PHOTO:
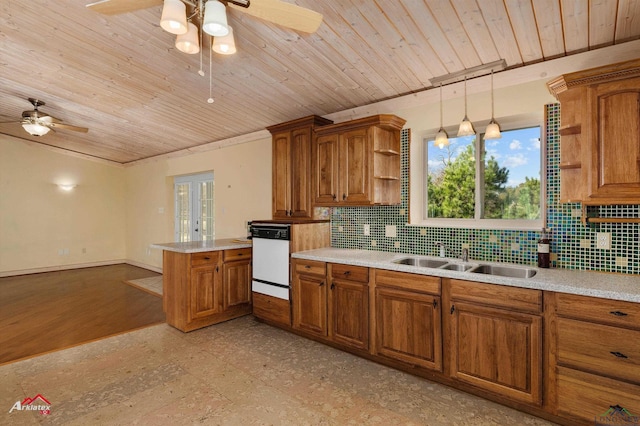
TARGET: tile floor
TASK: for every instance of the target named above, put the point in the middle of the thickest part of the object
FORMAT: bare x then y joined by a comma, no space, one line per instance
241,372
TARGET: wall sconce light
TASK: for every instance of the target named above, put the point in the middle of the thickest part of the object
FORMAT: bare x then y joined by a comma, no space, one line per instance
67,186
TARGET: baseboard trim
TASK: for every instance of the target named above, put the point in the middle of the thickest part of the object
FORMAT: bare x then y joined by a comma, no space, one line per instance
78,266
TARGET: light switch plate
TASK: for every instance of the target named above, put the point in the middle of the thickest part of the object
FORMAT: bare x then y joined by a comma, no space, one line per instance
366,229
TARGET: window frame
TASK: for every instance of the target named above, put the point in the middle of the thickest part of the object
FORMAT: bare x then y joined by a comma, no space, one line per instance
418,209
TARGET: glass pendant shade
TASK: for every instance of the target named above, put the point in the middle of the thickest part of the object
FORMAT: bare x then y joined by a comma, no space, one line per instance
174,17
442,139
225,45
215,19
466,127
492,131
35,129
188,42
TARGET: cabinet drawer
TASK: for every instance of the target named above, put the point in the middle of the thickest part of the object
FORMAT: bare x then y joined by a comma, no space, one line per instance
236,254
204,258
613,312
514,298
599,348
271,309
310,267
590,397
415,282
350,272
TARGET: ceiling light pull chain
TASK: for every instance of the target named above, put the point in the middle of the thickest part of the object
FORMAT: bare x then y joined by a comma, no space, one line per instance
210,100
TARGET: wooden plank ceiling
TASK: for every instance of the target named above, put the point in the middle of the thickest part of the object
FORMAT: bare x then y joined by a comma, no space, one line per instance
122,77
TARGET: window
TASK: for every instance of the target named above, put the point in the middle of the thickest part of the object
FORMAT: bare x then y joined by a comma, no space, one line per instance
480,183
194,208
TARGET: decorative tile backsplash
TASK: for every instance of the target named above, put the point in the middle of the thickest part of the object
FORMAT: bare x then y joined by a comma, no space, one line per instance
573,243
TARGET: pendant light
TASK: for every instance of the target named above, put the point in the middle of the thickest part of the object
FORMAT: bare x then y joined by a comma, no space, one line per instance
466,127
174,17
493,129
442,139
225,45
188,42
215,19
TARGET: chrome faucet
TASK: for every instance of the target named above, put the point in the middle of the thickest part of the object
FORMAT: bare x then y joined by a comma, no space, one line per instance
443,249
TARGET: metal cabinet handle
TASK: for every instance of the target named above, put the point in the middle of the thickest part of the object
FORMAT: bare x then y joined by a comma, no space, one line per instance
435,303
347,273
334,197
307,266
333,286
217,268
207,258
619,355
344,197
453,308
321,284
618,313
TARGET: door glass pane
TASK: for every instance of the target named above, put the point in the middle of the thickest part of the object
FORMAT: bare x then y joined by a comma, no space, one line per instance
183,212
206,210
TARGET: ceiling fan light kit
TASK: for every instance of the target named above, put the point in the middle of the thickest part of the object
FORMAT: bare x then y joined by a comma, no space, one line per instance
35,129
215,19
174,17
225,45
188,42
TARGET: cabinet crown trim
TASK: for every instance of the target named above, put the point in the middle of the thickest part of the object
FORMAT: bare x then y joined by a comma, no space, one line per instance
618,71
385,121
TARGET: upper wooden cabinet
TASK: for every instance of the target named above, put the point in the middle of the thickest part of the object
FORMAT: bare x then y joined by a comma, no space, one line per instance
292,143
358,162
600,134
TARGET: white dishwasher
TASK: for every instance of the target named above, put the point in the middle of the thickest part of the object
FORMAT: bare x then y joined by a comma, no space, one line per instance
270,259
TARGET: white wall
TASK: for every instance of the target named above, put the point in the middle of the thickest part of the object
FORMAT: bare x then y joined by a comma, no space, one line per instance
38,219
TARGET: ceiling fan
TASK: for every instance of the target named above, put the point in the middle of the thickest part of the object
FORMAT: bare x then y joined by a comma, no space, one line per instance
38,123
277,11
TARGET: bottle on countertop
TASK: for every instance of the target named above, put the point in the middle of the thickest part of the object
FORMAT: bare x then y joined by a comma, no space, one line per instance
544,249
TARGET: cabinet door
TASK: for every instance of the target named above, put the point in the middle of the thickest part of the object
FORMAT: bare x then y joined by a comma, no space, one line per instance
281,163
408,327
497,350
205,292
615,171
349,313
309,294
354,166
301,173
325,169
237,283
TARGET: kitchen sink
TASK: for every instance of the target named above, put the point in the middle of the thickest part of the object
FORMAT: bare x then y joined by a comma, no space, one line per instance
460,267
504,271
417,261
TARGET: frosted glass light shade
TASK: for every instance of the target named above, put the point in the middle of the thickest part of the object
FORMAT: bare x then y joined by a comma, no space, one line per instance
174,17
466,128
188,42
225,45
215,19
35,129
442,139
492,131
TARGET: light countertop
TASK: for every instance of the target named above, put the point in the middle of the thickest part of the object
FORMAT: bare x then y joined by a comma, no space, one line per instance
597,284
200,246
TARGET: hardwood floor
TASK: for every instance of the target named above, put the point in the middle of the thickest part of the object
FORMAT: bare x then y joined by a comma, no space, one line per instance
45,312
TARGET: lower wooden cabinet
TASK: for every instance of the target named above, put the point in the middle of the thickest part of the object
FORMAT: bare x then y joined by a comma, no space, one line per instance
272,309
408,318
595,357
495,339
205,288
332,305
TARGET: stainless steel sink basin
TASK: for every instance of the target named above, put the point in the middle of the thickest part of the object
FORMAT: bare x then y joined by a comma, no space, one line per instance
504,271
417,261
460,267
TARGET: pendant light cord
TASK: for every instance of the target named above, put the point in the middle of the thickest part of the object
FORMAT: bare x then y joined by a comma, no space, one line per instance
492,94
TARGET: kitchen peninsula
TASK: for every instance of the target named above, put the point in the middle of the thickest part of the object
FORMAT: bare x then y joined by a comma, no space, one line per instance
205,282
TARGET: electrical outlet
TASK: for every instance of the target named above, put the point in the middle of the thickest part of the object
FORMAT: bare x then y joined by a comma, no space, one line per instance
603,240
367,229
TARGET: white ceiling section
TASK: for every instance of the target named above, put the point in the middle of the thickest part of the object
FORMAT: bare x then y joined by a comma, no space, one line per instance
122,77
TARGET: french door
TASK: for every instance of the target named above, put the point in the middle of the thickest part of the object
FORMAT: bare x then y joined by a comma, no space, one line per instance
194,218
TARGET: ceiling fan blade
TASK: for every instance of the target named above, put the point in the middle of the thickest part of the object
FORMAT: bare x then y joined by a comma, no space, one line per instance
54,125
116,7
282,13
